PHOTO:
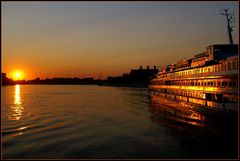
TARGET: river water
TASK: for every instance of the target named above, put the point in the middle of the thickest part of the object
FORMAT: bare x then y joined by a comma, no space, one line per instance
81,121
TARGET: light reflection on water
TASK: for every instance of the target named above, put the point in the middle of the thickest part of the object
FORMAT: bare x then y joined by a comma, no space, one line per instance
73,122
17,100
17,107
167,109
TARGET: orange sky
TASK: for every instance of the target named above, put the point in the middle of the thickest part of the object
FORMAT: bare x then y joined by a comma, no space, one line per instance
83,39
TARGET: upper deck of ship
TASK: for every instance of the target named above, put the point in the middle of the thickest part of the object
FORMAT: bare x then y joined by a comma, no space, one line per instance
218,59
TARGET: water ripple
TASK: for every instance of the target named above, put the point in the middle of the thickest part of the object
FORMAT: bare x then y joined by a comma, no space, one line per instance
75,122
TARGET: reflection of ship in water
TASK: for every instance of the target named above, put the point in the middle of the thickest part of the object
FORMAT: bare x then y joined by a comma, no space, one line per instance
202,135
174,114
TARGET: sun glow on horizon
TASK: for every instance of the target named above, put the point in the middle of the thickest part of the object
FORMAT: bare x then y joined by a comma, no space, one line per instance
17,75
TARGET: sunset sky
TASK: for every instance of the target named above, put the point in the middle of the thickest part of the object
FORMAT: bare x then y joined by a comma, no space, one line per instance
89,39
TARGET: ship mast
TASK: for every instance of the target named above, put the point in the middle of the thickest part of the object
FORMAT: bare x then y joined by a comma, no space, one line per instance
230,19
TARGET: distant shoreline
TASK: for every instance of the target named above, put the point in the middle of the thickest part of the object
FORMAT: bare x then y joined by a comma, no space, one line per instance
137,85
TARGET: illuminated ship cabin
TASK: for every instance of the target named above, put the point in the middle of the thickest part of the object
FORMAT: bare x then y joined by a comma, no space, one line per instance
208,80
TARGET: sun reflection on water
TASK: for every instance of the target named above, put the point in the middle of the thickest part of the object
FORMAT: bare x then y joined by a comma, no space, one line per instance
17,108
17,100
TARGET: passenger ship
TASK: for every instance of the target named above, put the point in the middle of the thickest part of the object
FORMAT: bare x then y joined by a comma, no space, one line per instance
208,81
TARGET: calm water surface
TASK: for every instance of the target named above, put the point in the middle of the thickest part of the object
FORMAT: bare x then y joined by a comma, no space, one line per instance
71,121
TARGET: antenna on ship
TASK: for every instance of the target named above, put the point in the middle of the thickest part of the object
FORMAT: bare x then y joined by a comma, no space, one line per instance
230,19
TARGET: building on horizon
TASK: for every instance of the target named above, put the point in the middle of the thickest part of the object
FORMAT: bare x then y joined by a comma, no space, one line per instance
5,80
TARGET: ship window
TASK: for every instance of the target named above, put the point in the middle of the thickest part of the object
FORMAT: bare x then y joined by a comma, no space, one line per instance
226,99
219,98
214,98
230,84
234,84
235,99
223,67
209,96
229,65
217,68
235,66
205,83
226,83
219,83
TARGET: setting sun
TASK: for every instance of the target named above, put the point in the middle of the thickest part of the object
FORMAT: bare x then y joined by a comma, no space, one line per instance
17,75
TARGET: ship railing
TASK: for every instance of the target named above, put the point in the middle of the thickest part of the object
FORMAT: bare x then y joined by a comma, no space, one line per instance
228,66
227,90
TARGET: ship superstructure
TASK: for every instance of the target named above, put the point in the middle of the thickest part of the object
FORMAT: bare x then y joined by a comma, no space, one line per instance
208,80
